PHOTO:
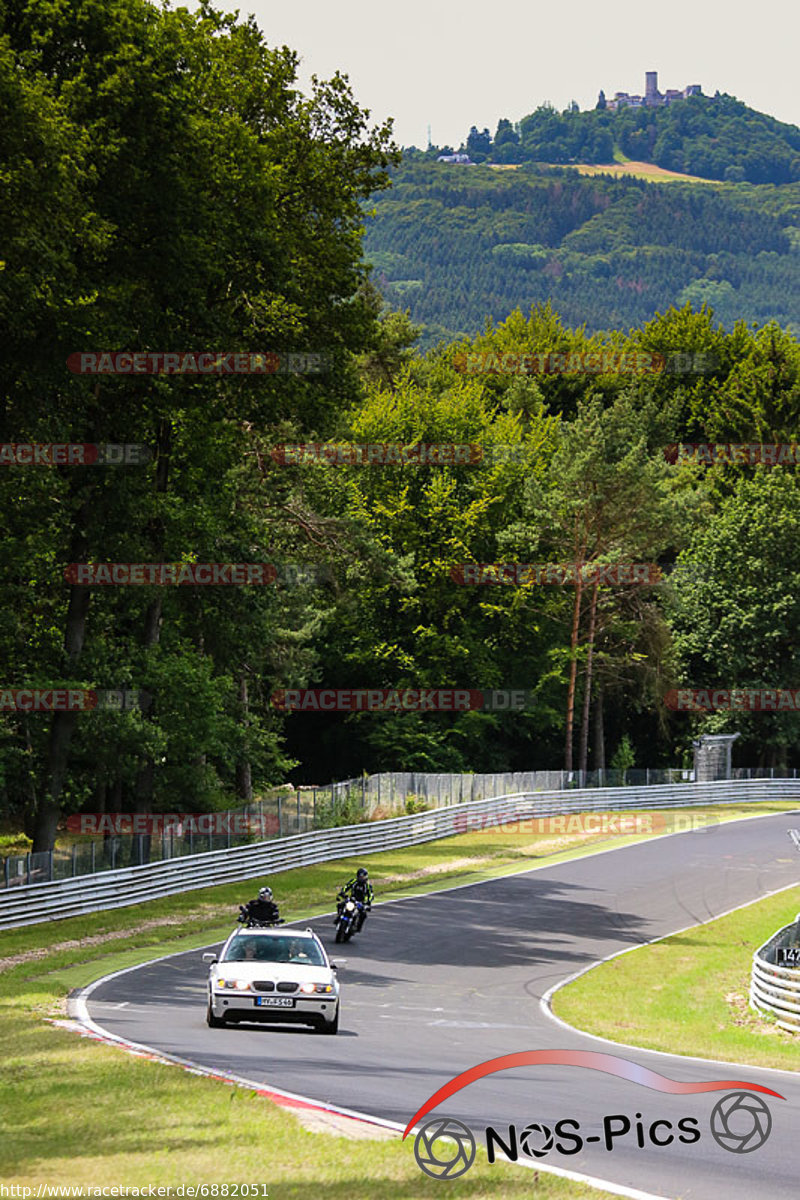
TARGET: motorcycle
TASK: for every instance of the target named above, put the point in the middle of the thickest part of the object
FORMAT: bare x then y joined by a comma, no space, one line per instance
350,919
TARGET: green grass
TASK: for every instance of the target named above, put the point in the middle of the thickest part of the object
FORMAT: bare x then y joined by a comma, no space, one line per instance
79,1112
688,994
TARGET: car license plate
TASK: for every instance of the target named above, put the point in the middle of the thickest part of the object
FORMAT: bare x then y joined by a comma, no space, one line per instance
275,1001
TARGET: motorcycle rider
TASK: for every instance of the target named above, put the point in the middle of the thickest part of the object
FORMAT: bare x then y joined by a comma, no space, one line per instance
263,909
360,889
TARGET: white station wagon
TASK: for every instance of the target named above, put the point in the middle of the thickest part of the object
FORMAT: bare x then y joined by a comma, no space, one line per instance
273,975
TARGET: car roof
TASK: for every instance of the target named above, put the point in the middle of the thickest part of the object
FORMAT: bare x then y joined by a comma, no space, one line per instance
282,932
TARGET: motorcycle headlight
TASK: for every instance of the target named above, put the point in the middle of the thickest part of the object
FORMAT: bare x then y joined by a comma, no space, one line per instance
349,906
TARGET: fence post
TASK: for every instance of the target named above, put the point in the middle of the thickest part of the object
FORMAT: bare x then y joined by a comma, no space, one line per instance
280,815
228,829
298,808
5,871
314,807
29,866
74,857
94,868
363,791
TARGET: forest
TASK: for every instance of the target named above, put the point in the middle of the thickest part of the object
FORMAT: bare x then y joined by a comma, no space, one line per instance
456,245
247,234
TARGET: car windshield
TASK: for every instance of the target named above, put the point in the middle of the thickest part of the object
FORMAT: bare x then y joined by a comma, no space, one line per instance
303,951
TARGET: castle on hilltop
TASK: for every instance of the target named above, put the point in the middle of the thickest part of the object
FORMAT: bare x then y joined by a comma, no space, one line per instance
652,97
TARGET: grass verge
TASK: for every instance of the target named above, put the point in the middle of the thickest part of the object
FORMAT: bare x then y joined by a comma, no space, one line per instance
80,1113
688,994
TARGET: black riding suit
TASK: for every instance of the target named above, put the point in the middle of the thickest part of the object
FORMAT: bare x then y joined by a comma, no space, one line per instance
261,910
357,889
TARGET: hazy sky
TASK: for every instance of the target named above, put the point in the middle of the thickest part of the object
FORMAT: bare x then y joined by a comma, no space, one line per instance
455,65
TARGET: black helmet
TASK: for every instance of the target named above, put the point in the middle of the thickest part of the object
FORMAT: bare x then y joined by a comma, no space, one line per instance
362,873
265,893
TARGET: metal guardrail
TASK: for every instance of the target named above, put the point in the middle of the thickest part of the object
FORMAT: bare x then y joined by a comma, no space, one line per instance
284,811
36,903
775,988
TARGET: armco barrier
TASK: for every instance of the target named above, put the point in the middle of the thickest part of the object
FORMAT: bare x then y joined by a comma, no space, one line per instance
38,902
776,988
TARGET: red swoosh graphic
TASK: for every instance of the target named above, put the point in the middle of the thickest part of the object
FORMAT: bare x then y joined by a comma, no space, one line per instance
591,1059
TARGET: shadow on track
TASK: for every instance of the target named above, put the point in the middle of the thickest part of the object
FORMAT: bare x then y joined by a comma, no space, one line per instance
505,922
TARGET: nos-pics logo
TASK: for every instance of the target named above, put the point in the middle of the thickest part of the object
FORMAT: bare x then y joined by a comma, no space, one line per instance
444,1148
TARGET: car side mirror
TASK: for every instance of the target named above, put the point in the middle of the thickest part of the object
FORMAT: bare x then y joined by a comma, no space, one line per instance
210,958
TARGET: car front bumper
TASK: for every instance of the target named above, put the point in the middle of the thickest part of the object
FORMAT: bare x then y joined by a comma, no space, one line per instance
303,1009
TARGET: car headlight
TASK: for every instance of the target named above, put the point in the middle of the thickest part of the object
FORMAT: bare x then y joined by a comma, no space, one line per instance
309,988
243,985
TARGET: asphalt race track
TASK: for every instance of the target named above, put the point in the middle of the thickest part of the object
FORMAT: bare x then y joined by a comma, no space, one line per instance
437,984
